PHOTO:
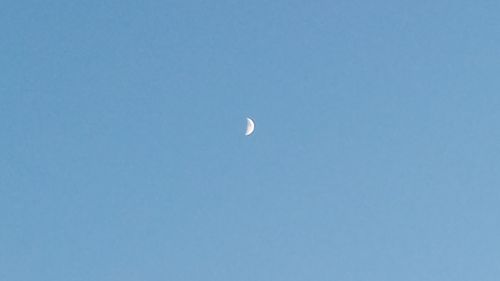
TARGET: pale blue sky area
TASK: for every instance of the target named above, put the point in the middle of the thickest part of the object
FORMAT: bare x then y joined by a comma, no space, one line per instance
376,154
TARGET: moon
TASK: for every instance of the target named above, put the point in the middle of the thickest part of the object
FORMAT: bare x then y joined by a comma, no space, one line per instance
250,127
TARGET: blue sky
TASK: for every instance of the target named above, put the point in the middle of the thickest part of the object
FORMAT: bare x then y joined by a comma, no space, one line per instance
376,154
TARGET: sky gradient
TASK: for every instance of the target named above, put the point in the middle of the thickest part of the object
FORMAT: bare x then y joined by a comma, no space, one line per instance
376,154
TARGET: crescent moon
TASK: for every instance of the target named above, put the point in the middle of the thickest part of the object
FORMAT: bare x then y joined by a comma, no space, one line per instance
250,127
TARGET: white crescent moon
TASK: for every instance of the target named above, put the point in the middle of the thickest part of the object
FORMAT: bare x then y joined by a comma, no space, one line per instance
250,127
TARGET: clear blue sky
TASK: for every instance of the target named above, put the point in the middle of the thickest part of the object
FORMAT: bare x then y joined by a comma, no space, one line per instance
376,154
